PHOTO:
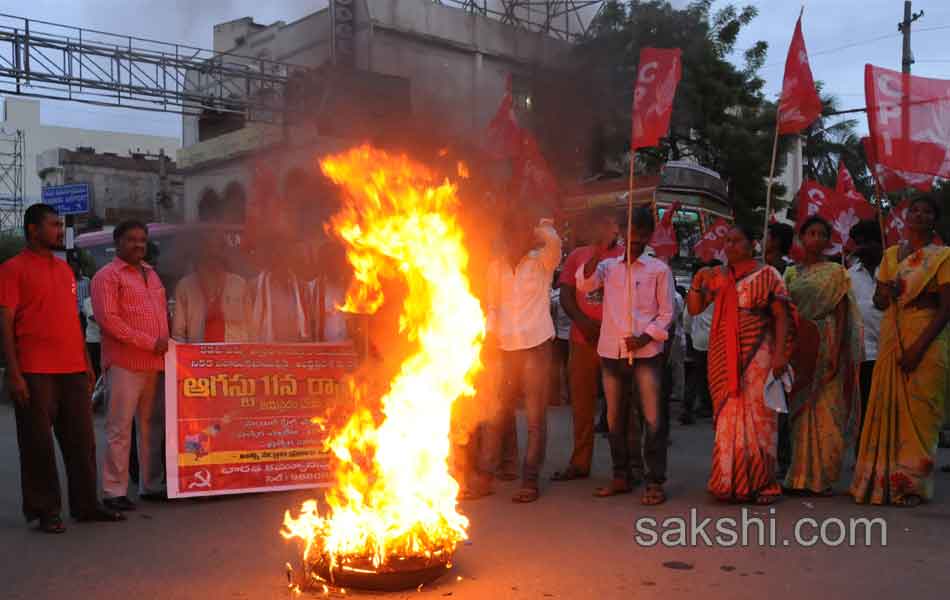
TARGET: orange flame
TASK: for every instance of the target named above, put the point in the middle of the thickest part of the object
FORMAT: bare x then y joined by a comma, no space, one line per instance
397,220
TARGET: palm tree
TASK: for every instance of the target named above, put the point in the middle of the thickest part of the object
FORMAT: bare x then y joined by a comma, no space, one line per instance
830,139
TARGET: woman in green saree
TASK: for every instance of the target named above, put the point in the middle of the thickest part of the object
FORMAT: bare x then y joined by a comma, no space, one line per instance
909,390
824,414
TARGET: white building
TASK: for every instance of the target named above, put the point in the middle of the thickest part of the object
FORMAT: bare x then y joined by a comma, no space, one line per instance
24,114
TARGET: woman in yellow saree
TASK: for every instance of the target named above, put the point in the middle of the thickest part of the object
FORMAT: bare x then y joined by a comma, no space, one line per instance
901,429
824,414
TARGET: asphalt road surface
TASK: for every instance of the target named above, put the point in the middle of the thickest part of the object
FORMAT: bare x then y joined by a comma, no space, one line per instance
567,545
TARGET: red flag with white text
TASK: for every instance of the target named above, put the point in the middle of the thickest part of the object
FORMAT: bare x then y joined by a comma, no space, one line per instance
909,121
664,242
840,210
890,180
658,75
712,245
800,104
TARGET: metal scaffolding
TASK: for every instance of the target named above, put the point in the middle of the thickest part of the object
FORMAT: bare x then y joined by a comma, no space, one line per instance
47,60
563,19
11,180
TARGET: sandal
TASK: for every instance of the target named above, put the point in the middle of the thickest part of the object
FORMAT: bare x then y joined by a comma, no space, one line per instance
525,495
766,499
653,495
908,501
52,524
569,474
617,486
506,476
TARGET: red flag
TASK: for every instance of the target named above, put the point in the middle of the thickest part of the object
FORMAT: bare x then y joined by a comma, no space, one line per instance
800,104
657,77
712,244
503,136
842,211
890,180
536,180
664,242
909,120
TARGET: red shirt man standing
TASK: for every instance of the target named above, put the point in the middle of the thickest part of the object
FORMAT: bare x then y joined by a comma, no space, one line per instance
49,376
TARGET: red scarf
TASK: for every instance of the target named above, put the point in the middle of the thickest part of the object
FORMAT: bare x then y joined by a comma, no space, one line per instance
726,317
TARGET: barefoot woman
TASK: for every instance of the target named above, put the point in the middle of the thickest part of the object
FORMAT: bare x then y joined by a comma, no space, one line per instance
909,389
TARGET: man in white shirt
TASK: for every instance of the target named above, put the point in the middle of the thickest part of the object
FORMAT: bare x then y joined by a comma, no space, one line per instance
520,324
869,250
638,310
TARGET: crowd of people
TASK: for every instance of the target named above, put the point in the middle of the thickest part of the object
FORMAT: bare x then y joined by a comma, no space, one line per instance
63,333
800,365
797,364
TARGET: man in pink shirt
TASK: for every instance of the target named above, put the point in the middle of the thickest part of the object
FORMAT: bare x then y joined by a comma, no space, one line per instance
129,303
638,309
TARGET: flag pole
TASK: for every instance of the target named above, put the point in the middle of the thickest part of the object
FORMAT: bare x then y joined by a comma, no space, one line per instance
628,253
768,189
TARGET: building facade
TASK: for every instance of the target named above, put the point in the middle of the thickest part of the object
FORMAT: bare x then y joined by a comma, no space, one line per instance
136,186
24,115
410,68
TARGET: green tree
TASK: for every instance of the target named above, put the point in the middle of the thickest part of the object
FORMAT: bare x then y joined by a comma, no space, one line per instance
830,139
721,117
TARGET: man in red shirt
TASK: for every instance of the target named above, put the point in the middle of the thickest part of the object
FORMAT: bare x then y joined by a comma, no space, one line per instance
586,312
129,302
49,376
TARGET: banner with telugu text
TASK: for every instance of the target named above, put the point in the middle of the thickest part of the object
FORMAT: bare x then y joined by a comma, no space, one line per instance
243,418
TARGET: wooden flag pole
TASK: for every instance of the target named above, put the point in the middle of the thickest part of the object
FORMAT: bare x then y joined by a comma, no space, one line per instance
768,189
628,252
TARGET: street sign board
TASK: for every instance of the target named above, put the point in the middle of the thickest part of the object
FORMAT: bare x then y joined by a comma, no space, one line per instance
71,199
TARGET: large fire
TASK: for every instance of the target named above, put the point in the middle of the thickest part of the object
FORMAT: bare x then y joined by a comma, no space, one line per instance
394,496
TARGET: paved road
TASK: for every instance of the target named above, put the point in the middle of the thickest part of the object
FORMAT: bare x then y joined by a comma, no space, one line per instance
568,545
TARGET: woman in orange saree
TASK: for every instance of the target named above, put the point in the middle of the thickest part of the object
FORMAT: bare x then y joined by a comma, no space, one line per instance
909,389
748,340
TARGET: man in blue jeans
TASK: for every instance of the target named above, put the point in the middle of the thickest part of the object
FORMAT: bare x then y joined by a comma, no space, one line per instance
520,325
638,309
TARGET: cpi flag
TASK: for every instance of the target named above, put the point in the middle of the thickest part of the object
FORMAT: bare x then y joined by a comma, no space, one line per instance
841,210
537,181
712,245
800,104
890,180
909,120
657,77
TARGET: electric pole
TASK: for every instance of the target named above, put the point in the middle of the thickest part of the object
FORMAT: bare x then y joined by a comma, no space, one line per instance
907,57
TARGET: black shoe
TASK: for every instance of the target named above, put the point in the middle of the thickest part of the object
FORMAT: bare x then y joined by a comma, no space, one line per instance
52,524
101,514
687,420
154,497
121,504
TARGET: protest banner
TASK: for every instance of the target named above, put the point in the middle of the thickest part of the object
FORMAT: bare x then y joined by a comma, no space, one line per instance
243,418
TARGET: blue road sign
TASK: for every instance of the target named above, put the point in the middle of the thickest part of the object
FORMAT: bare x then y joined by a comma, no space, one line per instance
72,199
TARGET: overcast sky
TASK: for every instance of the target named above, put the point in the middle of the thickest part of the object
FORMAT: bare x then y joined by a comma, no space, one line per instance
841,36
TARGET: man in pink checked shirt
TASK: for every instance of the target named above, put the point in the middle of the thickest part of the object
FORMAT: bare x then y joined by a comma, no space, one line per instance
129,303
638,309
